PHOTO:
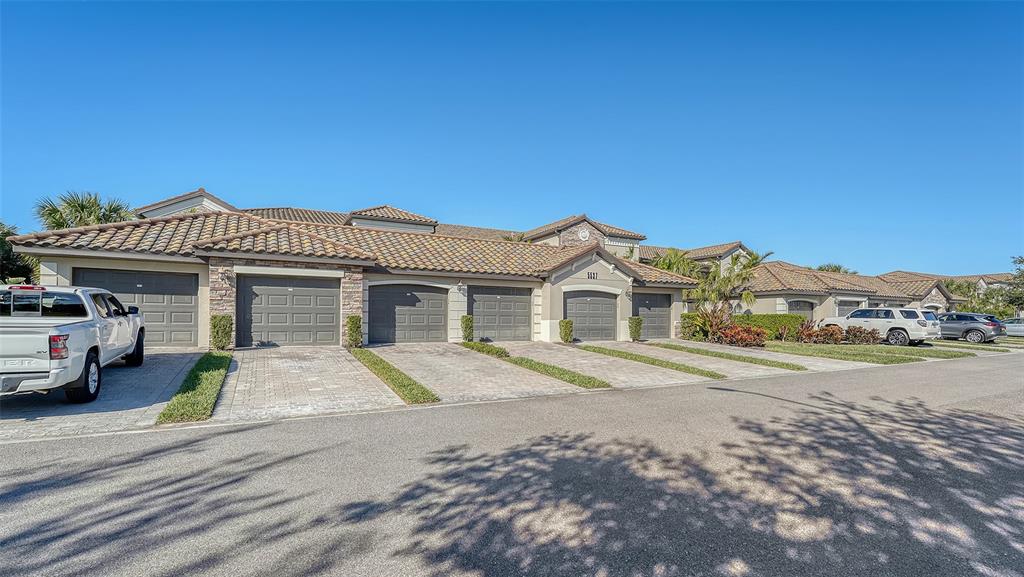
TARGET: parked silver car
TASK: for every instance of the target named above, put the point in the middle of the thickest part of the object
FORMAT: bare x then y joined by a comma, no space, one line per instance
972,327
1014,327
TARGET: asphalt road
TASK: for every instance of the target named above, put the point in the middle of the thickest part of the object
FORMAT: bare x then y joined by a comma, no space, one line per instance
907,470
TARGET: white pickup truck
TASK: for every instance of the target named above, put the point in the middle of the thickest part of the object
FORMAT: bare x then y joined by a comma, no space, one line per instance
61,337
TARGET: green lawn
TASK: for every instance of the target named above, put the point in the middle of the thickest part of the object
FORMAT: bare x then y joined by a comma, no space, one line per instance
839,352
731,356
968,346
402,384
922,352
198,393
571,377
653,361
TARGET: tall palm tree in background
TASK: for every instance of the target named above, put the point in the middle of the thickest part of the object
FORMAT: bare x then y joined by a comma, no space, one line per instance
834,267
676,261
73,209
718,288
755,258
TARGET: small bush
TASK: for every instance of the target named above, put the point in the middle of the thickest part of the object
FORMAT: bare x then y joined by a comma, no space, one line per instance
220,331
565,330
805,332
862,336
831,335
744,336
636,324
467,328
487,349
689,329
354,331
777,326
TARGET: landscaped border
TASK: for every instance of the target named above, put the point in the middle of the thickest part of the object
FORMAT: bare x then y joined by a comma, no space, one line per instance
730,356
971,346
198,393
840,353
562,374
406,387
653,361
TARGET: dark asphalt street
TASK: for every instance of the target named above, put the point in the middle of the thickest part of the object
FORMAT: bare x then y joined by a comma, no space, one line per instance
914,470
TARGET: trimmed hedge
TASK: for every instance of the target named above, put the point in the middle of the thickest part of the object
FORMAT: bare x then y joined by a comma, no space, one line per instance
467,328
772,323
354,331
636,325
487,349
565,330
220,331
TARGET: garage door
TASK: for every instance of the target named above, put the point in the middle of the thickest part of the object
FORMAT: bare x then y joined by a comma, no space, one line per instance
169,302
500,313
656,311
408,314
592,314
288,311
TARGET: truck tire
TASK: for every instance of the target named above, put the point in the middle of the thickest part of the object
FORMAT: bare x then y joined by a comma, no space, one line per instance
88,385
138,354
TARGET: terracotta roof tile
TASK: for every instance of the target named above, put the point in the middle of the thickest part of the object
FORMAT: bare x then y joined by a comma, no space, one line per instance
385,212
300,215
654,275
906,276
650,252
282,239
778,276
473,231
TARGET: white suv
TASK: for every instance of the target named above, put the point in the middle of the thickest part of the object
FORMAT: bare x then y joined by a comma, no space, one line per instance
897,325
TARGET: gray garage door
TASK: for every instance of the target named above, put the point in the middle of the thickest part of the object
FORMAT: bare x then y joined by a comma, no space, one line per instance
500,313
656,310
169,302
592,314
288,311
402,313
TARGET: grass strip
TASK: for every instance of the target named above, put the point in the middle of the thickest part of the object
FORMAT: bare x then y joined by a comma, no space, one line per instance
653,361
198,393
731,356
571,377
969,346
840,352
921,352
402,384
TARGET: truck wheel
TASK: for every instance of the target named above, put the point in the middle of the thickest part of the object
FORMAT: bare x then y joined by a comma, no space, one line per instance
138,354
90,381
975,336
897,338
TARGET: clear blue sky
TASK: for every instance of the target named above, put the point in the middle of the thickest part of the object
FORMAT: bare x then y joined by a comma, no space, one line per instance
789,126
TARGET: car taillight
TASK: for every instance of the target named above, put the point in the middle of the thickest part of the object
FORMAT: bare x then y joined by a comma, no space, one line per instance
922,323
58,347
992,324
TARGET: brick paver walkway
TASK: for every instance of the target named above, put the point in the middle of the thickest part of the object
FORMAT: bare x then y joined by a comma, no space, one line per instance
277,382
621,373
130,398
458,374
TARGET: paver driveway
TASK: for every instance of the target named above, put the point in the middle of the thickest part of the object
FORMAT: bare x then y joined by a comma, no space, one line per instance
458,374
620,373
130,398
731,369
278,382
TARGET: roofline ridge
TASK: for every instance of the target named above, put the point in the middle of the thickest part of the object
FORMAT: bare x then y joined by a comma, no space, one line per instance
119,224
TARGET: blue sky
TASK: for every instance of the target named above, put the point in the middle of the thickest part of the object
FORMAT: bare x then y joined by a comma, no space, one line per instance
853,133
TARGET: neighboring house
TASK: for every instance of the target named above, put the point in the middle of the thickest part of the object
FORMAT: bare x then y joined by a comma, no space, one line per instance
291,276
982,281
781,287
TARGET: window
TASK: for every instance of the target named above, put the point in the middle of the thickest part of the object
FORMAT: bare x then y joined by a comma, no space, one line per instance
862,314
63,305
884,314
46,304
909,314
5,304
116,306
846,307
929,315
101,306
805,308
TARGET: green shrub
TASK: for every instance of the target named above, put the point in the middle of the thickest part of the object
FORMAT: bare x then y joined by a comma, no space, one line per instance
487,349
467,328
198,394
220,331
636,324
565,330
777,326
406,387
353,331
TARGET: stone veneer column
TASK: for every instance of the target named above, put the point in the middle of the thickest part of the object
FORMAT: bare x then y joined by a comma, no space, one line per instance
223,290
351,301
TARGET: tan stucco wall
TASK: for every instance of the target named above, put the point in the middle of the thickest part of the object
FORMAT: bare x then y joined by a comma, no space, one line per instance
59,270
575,277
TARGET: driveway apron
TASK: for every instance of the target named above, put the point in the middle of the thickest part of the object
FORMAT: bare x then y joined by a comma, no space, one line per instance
621,373
278,382
458,374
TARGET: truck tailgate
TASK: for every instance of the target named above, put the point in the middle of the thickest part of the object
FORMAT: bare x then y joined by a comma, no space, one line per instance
24,347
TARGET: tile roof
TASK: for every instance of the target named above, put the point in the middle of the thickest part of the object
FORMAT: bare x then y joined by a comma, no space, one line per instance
653,275
473,231
300,214
282,240
650,252
193,194
779,276
385,212
564,223
906,276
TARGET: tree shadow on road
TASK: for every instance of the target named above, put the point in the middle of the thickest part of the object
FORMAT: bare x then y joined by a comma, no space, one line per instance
891,488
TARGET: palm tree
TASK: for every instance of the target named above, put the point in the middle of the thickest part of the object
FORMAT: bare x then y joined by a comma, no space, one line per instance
676,261
73,209
834,267
515,237
717,290
753,258
14,265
